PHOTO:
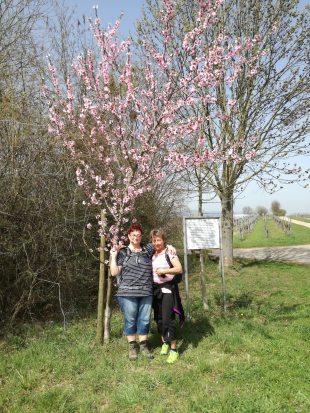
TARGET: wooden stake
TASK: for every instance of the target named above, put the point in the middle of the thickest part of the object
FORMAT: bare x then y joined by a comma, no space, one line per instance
101,292
108,309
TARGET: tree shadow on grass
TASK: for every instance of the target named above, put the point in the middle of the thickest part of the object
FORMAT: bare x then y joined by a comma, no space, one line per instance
288,313
243,300
254,262
189,335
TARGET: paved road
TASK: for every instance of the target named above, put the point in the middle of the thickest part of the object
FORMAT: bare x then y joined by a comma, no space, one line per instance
299,254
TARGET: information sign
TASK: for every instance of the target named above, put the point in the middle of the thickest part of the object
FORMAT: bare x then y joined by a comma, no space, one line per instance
202,233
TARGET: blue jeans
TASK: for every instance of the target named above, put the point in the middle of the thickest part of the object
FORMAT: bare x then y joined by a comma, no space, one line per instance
137,314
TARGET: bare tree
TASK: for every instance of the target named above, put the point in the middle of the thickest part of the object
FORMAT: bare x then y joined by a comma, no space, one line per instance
261,210
273,103
247,210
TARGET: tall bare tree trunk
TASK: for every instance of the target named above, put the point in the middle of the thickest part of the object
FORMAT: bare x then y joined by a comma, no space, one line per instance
227,226
108,309
202,277
102,287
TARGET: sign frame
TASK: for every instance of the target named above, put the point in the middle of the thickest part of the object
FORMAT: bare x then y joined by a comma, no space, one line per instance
185,218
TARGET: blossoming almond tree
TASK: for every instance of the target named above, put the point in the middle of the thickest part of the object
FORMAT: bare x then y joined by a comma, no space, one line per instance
128,128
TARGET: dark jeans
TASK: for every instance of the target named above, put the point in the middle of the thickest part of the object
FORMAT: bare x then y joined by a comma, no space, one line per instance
164,315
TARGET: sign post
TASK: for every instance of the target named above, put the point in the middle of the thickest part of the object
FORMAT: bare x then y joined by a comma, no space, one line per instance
222,267
202,233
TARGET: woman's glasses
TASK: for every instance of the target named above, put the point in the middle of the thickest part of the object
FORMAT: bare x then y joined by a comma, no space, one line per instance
135,235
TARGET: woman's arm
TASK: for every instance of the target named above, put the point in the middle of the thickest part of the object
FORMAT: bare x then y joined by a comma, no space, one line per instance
177,268
115,269
151,249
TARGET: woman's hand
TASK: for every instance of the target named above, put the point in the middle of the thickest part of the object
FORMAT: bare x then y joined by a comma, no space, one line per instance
115,269
172,250
160,271
114,251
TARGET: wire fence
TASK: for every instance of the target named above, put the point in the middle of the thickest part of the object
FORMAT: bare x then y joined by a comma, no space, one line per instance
244,225
283,223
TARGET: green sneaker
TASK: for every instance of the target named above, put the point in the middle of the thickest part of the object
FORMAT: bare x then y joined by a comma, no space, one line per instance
173,356
164,349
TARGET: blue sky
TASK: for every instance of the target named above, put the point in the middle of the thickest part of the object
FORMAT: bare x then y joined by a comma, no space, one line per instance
109,11
293,198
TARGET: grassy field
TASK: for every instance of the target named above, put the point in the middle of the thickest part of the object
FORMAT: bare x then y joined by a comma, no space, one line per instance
254,358
276,237
302,219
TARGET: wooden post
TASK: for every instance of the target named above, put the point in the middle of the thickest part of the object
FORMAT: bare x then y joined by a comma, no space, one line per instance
222,267
194,255
203,283
206,256
102,286
108,309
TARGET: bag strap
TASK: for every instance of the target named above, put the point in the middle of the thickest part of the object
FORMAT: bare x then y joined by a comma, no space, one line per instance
168,258
177,277
129,253
145,250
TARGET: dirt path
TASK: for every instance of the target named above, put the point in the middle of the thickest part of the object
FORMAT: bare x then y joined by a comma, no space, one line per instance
304,224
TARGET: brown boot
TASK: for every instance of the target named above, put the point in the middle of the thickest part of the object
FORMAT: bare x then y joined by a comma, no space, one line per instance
133,355
144,350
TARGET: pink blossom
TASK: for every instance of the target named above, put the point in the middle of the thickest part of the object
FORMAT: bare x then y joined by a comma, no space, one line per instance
128,165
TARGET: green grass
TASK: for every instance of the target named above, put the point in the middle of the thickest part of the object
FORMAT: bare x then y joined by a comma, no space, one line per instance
302,219
276,237
254,358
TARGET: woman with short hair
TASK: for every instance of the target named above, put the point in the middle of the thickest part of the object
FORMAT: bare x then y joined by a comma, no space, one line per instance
135,292
166,301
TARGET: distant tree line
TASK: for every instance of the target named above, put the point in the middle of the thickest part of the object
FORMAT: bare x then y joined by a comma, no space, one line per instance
262,210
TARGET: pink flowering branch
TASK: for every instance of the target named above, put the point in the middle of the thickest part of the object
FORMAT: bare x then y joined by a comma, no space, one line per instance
127,127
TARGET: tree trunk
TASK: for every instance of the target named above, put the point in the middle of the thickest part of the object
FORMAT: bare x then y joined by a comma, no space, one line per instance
102,287
202,277
108,309
227,227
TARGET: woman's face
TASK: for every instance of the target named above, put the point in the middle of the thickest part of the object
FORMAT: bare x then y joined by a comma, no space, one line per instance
135,237
159,243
